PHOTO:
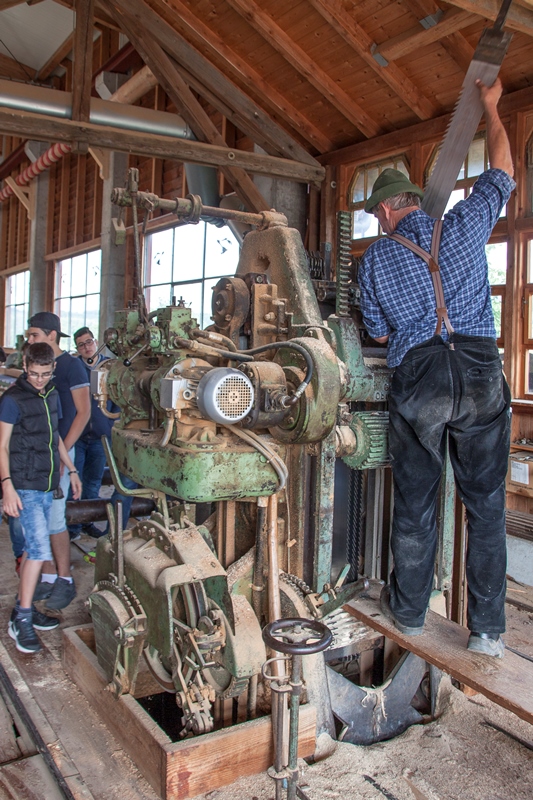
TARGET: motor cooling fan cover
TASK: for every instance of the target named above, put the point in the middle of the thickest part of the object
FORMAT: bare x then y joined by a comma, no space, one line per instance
225,395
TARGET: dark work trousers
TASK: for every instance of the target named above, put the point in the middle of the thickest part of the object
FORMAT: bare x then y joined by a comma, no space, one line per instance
439,392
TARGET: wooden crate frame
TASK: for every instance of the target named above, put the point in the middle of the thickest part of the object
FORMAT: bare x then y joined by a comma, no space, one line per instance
176,770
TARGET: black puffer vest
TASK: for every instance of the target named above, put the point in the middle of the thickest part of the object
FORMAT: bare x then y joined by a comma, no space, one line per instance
33,449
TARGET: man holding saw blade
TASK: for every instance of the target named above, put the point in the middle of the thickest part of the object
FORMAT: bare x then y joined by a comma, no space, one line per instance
425,291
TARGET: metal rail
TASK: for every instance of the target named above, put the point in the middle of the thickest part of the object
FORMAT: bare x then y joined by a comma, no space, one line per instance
39,742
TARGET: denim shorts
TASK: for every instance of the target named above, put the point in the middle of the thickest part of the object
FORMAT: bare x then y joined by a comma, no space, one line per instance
58,522
35,520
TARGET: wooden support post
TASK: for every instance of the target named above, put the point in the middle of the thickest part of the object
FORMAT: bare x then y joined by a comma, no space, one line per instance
38,237
83,59
113,256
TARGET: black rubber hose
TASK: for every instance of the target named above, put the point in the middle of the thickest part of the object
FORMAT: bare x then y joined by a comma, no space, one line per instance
289,346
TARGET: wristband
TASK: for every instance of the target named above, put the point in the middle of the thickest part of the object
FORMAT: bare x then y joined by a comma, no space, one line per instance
74,472
6,479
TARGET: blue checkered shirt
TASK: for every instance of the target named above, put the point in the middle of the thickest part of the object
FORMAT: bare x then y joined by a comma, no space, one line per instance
397,296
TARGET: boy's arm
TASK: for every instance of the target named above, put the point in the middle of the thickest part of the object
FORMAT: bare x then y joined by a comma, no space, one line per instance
12,502
82,400
75,481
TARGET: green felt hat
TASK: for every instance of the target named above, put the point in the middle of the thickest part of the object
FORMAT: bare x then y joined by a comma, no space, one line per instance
389,183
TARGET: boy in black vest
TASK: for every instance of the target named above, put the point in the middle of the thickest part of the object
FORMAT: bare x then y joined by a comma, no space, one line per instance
30,454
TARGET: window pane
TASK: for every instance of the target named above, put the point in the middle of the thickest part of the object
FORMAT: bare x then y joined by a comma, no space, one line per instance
63,278
476,158
497,311
364,225
158,296
94,269
529,278
159,257
221,251
16,314
456,195
92,313
189,252
79,274
497,261
358,194
529,371
191,293
77,315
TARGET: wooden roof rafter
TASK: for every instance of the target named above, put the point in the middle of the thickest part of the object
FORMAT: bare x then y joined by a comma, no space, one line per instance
223,95
260,21
194,29
179,92
344,24
453,20
454,43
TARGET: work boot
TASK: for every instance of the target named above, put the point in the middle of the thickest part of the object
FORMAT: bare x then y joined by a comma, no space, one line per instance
62,594
21,629
487,644
407,630
42,621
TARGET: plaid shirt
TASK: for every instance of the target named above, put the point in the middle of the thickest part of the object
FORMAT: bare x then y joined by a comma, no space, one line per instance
397,296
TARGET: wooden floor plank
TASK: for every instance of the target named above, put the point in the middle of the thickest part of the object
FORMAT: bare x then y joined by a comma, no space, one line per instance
8,744
507,682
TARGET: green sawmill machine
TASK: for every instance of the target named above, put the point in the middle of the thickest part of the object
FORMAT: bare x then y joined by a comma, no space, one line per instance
263,441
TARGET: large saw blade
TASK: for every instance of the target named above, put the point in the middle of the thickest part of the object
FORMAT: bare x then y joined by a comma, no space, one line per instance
485,66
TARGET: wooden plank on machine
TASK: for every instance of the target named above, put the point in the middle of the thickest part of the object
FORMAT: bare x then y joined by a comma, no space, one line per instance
508,682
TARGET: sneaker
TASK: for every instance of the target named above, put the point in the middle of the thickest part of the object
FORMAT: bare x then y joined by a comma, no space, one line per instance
407,630
42,591
22,631
62,594
92,530
42,621
486,644
74,535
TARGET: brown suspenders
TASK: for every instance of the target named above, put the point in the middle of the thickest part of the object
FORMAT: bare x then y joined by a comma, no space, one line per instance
431,260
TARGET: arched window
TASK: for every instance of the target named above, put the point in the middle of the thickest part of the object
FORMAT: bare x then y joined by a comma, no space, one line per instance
366,225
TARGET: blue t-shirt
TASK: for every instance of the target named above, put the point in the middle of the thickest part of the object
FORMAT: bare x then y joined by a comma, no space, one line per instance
10,413
69,374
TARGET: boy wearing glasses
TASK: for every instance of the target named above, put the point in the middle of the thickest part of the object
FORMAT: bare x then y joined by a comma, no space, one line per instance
90,457
30,454
70,380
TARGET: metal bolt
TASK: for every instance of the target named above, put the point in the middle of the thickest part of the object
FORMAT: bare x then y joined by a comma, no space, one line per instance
228,318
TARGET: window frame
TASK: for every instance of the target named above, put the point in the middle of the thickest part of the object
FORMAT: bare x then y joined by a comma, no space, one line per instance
7,305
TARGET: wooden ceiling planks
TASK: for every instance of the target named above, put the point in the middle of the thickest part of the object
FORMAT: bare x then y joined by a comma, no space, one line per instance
301,61
215,47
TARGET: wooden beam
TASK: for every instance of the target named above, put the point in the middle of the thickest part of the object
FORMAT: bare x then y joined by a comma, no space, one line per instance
25,195
263,23
253,121
518,18
51,129
189,107
453,20
352,33
83,60
458,49
233,65
455,43
56,58
9,68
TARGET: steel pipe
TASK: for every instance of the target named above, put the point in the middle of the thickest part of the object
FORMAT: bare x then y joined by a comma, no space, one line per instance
81,512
